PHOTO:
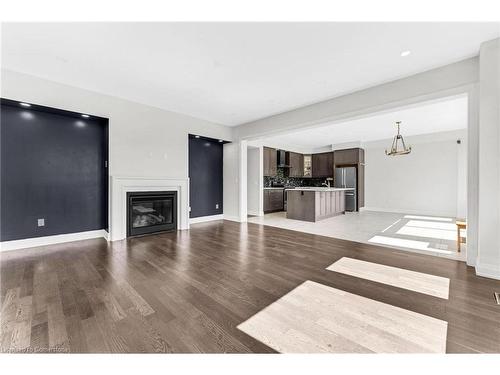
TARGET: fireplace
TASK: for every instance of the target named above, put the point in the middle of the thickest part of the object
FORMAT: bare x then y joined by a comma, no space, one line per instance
151,212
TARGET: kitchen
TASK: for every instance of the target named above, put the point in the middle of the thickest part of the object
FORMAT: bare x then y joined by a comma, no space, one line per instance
313,187
410,200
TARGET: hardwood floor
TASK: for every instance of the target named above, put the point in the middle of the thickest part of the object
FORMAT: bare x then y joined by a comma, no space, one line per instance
188,291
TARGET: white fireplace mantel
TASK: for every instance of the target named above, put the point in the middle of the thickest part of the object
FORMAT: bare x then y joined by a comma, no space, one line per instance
121,185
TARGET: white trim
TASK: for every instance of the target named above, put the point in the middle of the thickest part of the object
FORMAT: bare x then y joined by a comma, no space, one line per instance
487,270
51,240
412,212
203,219
119,187
232,218
243,175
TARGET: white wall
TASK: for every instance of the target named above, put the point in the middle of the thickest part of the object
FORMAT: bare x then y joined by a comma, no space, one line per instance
462,170
488,262
424,182
231,181
143,140
255,182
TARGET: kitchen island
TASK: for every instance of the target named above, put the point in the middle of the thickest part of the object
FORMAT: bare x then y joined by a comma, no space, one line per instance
315,203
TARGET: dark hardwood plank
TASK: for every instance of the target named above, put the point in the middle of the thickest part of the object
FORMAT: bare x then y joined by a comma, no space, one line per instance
188,291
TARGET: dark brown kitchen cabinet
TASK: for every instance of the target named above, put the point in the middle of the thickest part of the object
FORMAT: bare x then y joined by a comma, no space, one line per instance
273,200
322,164
296,165
270,162
349,156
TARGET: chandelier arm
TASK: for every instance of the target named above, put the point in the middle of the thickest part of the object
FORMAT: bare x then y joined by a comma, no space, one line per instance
403,143
394,145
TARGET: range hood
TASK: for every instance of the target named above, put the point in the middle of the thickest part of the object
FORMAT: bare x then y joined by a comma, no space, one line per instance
283,159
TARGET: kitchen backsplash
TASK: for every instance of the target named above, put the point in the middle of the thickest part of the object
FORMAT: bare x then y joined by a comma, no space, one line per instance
291,181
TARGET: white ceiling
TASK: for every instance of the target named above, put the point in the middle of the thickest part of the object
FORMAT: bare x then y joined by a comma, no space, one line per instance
426,118
232,73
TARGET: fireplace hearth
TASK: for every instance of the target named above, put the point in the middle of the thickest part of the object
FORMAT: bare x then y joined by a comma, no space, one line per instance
151,212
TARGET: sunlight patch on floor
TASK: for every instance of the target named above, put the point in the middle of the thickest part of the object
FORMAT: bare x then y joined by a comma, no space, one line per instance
426,229
315,318
436,286
411,244
427,233
432,218
390,226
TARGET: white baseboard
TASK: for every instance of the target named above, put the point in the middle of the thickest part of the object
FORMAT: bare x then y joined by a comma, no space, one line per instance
51,240
487,270
232,218
409,212
203,219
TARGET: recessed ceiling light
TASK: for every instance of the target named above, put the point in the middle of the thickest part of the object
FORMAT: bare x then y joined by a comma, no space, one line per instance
405,53
25,104
86,116
197,136
220,141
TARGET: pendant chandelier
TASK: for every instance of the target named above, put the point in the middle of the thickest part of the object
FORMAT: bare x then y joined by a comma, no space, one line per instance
398,146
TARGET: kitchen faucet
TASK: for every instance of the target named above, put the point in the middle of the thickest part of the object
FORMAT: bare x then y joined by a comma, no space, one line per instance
327,182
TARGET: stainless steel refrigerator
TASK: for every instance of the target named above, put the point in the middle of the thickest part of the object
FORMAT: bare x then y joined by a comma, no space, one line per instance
345,177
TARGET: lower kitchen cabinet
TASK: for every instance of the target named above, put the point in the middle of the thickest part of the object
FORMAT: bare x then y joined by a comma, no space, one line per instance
309,205
273,200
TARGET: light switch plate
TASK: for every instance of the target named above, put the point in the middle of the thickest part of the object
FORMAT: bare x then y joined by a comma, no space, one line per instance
217,206
41,222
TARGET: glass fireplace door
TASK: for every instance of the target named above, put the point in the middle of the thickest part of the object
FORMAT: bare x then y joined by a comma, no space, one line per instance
151,212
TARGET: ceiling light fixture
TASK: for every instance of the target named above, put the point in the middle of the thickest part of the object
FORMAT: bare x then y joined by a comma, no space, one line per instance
395,149
197,136
25,104
220,141
86,116
405,53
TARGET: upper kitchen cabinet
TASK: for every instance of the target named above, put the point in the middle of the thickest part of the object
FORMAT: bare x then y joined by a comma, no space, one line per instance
307,159
296,162
270,162
349,156
322,164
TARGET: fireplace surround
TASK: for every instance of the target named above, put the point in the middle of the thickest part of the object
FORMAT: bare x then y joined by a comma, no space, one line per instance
151,212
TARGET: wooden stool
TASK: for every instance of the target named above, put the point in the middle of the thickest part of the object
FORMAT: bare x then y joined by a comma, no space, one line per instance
461,224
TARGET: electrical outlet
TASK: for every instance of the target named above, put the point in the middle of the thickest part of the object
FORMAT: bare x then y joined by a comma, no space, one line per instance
217,206
41,222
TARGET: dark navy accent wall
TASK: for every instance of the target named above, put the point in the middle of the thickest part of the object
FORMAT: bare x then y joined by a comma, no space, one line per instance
52,167
205,177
